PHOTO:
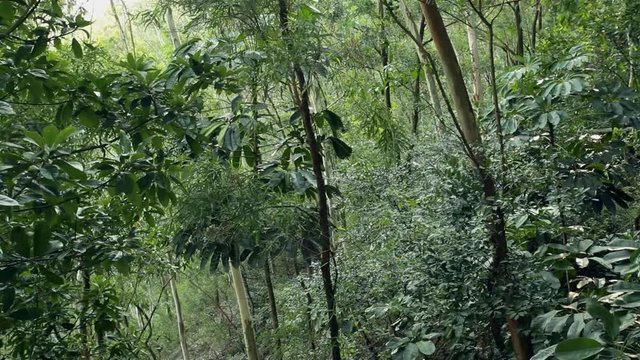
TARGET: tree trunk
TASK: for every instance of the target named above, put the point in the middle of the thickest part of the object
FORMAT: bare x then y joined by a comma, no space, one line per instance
452,71
245,314
471,136
130,26
181,332
173,31
472,38
312,341
384,57
84,326
519,32
415,117
417,34
536,26
272,303
323,209
123,33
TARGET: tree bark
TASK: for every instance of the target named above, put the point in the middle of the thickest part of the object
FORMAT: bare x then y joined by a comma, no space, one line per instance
173,31
317,162
245,314
519,32
130,26
123,33
272,303
384,57
471,137
452,71
179,319
472,38
536,26
84,326
415,117
417,35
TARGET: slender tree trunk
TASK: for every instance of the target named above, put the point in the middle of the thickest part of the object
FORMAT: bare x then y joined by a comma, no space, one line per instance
417,34
245,314
323,209
84,326
472,38
173,31
312,340
536,26
123,33
130,26
384,56
272,303
471,136
519,32
181,332
415,117
452,71
632,54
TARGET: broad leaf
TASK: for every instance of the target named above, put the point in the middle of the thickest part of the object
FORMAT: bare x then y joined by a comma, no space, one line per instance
578,349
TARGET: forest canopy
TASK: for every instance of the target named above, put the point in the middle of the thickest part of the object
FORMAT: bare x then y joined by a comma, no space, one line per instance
285,179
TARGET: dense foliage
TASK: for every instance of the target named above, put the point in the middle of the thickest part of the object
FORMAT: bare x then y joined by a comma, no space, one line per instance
280,179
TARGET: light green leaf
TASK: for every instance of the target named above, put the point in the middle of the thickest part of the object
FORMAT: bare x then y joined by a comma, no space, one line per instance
63,135
544,353
426,347
49,134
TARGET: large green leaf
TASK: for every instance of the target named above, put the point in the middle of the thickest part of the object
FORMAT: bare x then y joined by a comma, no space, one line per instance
578,349
342,150
426,347
598,311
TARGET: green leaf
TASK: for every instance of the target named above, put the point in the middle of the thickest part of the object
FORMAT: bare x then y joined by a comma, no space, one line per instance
89,118
21,241
426,347
335,122
598,311
41,237
73,168
7,201
6,108
125,184
551,279
49,134
295,117
577,349
77,48
63,135
232,137
544,353
410,352
342,150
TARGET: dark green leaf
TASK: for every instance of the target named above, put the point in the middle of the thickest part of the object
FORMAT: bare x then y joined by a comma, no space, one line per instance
77,48
41,237
342,150
598,311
